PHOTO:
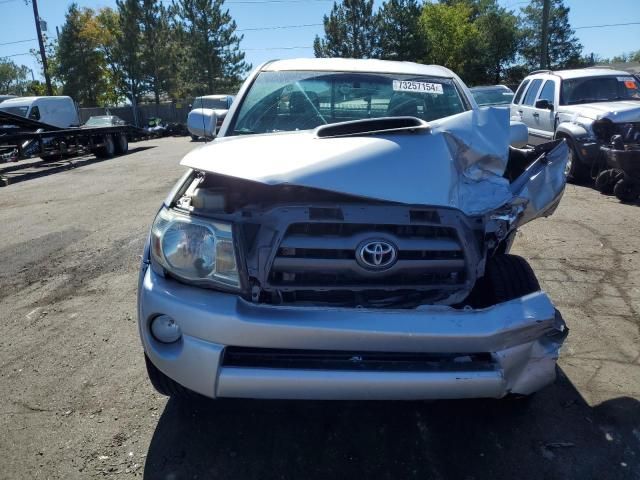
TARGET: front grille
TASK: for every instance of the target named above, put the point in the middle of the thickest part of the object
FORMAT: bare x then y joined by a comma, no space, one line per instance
324,254
246,357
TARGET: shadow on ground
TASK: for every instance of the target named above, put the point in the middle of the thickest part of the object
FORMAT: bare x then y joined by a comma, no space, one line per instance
553,435
27,170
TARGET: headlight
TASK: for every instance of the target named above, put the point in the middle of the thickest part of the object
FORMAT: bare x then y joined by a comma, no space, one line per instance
195,250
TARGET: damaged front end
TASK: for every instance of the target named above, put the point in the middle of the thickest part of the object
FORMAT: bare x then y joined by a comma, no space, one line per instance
442,197
370,261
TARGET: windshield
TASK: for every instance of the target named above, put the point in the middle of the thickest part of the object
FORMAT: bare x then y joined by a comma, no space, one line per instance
498,96
213,103
99,121
22,111
287,101
599,89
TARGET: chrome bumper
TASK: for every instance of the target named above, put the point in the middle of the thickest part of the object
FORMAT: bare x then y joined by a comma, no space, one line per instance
523,337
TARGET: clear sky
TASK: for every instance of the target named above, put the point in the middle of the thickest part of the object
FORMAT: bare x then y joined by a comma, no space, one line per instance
16,24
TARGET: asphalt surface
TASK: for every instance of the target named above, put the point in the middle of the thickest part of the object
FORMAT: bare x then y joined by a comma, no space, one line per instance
76,402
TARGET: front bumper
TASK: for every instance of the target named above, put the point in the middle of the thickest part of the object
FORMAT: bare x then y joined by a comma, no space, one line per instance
522,337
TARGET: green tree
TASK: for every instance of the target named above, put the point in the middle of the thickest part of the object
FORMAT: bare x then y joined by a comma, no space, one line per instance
564,49
13,78
350,31
449,35
497,44
127,50
158,49
213,60
399,30
79,64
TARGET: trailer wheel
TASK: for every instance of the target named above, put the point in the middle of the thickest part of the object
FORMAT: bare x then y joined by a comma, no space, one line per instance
607,179
122,144
627,190
108,149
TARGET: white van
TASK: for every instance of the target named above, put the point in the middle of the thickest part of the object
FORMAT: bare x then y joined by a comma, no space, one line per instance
56,111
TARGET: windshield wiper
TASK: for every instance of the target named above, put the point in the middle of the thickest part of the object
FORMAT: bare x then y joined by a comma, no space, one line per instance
244,131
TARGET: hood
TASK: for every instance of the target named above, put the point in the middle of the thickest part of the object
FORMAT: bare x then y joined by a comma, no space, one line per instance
458,162
622,111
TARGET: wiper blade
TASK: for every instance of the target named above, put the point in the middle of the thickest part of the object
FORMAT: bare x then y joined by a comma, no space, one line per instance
244,131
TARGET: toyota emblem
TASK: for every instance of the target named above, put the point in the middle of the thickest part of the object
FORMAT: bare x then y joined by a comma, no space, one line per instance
376,254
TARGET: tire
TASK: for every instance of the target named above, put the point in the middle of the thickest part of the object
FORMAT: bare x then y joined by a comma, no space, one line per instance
107,150
576,171
607,179
122,144
627,190
506,277
164,385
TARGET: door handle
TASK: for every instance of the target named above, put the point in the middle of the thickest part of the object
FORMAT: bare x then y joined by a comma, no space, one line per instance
536,115
519,111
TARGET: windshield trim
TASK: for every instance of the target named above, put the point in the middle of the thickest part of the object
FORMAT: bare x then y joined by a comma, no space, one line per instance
230,130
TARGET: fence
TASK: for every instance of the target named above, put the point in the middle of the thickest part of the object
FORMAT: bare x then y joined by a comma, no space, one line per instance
171,112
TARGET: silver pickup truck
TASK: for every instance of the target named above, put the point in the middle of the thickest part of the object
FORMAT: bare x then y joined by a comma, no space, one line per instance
346,236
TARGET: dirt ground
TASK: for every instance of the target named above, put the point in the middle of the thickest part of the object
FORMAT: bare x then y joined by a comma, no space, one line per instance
76,402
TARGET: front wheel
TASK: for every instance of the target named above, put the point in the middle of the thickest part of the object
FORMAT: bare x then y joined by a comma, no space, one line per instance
576,171
506,277
165,385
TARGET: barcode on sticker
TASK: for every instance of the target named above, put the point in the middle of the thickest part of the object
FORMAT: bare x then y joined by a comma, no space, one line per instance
410,86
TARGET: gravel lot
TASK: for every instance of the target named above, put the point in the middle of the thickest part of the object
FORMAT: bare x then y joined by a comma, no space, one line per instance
77,403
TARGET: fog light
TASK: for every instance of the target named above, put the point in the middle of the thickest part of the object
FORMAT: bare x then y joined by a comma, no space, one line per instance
165,329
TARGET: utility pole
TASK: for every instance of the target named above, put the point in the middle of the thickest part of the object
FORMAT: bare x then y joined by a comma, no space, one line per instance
43,54
544,50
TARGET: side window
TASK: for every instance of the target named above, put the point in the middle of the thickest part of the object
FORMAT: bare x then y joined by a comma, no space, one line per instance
34,114
548,91
520,91
532,91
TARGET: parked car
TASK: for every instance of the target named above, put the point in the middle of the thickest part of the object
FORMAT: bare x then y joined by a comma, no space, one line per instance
492,96
6,97
207,109
104,121
586,107
56,111
347,236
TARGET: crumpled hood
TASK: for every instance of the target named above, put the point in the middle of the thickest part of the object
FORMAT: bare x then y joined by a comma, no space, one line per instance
621,111
458,163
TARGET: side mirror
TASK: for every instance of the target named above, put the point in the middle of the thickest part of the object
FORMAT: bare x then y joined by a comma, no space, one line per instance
201,122
518,134
544,104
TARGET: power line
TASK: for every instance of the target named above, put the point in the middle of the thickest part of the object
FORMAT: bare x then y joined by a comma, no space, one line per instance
275,48
15,55
280,27
607,25
19,41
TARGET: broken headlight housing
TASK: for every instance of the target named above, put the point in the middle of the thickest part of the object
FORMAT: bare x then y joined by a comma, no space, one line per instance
195,250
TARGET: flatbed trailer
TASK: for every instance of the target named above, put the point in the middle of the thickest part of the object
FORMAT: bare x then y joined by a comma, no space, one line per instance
22,138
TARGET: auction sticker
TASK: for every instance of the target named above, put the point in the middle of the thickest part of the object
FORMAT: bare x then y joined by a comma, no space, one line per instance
411,86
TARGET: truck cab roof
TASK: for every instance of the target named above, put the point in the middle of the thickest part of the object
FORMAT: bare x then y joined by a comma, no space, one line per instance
358,65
